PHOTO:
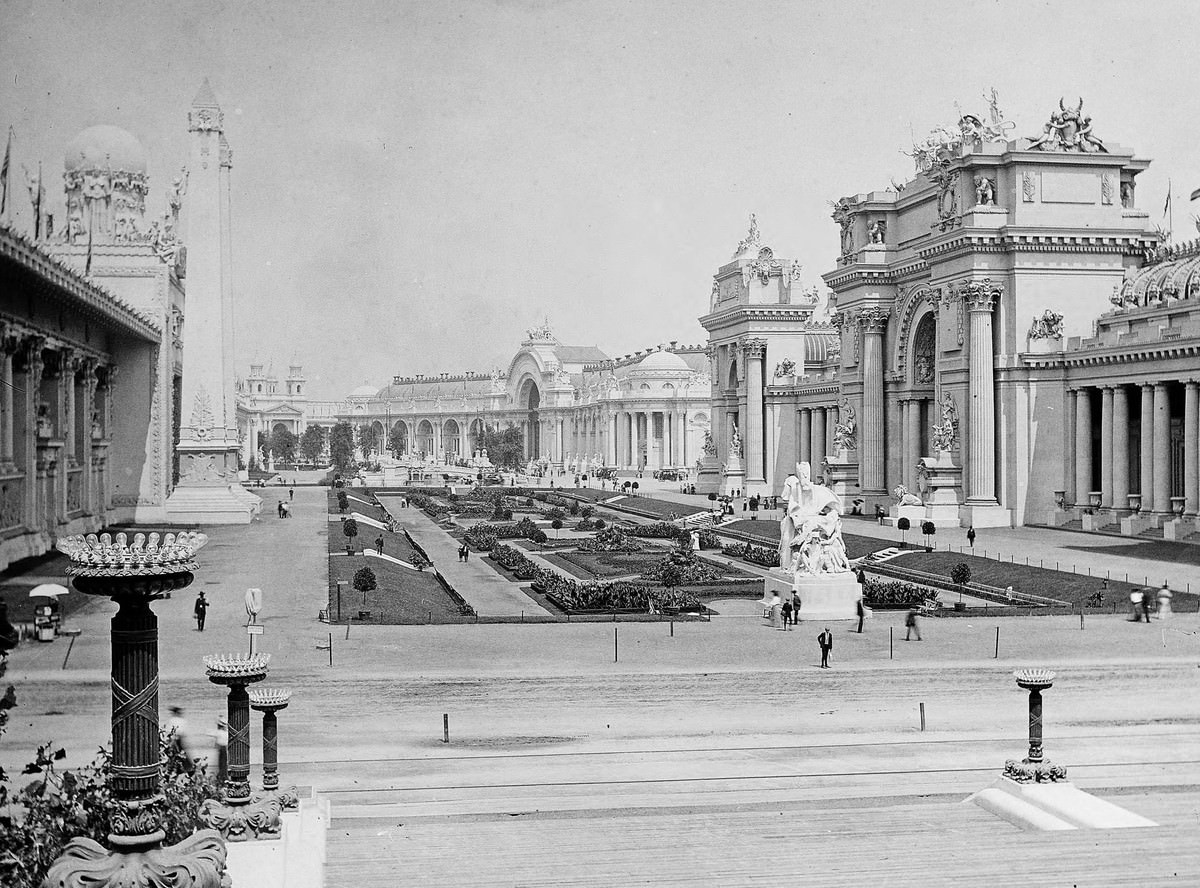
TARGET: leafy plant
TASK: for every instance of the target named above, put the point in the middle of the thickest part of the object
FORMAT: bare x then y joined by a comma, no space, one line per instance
903,525
961,573
364,581
350,531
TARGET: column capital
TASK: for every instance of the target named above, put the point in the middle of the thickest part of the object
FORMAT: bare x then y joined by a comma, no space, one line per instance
1192,384
753,348
978,295
873,319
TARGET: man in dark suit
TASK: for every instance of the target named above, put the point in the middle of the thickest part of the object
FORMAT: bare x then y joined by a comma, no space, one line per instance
825,640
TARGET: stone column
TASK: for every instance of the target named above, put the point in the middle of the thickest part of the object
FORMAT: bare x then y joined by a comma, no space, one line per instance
871,455
611,449
1120,454
817,449
681,430
979,299
833,416
1069,448
8,346
1106,447
1191,471
804,438
1083,447
912,450
1162,449
558,440
754,351
1147,448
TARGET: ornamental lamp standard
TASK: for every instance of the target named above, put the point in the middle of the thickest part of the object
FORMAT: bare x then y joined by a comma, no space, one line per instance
1034,768
133,575
269,701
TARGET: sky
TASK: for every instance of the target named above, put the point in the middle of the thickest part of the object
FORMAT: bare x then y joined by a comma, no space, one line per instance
417,183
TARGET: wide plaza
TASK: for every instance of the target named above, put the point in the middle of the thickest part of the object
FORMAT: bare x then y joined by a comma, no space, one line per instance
648,753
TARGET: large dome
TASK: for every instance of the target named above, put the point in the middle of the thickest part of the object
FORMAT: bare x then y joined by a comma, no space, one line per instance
105,147
662,362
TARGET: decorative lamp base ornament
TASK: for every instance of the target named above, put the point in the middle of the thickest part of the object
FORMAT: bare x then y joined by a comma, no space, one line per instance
196,862
256,818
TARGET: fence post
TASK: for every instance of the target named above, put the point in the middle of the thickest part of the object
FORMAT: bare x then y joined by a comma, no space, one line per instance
891,632
922,716
614,644
997,657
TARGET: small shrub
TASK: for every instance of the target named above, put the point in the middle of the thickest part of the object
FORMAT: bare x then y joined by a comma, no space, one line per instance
364,580
961,573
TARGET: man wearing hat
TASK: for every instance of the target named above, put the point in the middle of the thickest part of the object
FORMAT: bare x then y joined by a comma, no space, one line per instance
201,611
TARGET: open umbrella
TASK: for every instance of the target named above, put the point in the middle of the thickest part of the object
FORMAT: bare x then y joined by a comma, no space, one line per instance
48,590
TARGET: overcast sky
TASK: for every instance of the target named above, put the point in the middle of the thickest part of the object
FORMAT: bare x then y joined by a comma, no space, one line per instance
415,184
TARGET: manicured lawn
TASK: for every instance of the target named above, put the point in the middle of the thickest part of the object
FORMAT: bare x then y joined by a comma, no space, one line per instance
403,596
1032,579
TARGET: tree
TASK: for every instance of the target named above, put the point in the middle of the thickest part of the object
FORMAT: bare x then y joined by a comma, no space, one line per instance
368,441
283,445
504,446
350,529
961,575
397,442
343,501
364,581
903,525
557,524
312,443
341,445
929,529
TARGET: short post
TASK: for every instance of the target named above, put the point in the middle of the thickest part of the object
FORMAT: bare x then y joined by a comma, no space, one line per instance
672,629
445,727
891,632
997,657
340,584
330,650
269,701
922,715
1081,619
614,644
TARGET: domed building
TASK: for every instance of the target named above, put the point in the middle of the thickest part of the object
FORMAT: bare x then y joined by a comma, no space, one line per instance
577,408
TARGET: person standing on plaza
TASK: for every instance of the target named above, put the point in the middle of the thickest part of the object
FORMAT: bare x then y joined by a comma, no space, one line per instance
200,611
177,731
279,508
379,544
911,625
1164,602
775,611
291,493
221,740
971,537
1146,599
825,640
787,614
795,608
862,614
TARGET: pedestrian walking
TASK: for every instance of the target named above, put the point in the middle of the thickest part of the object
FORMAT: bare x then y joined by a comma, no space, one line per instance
200,611
285,509
825,640
1146,599
379,544
776,611
862,614
466,552
911,625
795,608
279,508
971,537
1164,602
291,493
221,741
1135,606
787,614
177,732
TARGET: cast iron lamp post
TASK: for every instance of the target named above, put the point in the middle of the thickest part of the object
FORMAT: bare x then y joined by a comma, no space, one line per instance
1034,768
133,576
237,816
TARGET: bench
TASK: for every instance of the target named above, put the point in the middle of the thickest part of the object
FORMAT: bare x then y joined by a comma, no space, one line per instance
364,615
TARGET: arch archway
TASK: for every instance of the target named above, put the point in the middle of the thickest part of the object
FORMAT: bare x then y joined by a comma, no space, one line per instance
424,438
530,398
924,352
451,440
733,374
399,438
476,433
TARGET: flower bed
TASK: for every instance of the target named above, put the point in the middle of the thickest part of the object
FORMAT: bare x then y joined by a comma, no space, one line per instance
754,554
680,568
895,594
612,539
664,530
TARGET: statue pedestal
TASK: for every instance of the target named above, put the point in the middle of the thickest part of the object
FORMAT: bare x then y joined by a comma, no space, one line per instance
914,514
205,494
823,598
733,477
941,484
708,475
841,476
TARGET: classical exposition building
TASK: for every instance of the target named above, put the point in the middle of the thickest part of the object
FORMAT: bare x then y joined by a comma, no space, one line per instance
79,438
574,405
1007,342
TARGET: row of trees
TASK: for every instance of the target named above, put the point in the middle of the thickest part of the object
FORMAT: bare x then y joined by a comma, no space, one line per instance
505,447
285,445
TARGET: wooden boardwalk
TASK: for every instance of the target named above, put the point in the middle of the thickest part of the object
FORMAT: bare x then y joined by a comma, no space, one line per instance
723,819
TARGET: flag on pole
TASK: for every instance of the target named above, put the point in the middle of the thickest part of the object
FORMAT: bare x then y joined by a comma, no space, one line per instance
4,174
1196,194
87,268
37,205
1167,205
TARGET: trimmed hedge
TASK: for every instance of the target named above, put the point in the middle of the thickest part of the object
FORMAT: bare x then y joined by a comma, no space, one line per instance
663,530
612,539
760,555
896,594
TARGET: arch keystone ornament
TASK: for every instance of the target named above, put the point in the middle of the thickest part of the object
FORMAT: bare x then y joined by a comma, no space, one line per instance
133,573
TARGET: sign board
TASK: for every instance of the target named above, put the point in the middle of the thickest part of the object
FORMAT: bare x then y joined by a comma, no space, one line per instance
255,629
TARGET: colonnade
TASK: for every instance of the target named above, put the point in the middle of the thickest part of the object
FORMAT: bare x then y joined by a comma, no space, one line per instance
636,433
1164,476
816,435
54,417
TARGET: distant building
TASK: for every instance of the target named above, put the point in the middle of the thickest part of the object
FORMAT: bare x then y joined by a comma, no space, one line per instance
575,406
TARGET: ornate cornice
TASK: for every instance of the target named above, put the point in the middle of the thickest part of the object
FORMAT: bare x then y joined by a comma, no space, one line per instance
1109,356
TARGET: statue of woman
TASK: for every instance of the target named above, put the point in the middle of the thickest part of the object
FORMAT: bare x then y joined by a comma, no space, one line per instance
810,535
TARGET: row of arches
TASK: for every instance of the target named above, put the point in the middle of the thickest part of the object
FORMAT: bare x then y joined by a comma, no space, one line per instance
426,436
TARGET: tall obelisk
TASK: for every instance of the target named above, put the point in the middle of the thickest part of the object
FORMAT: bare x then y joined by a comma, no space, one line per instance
208,491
